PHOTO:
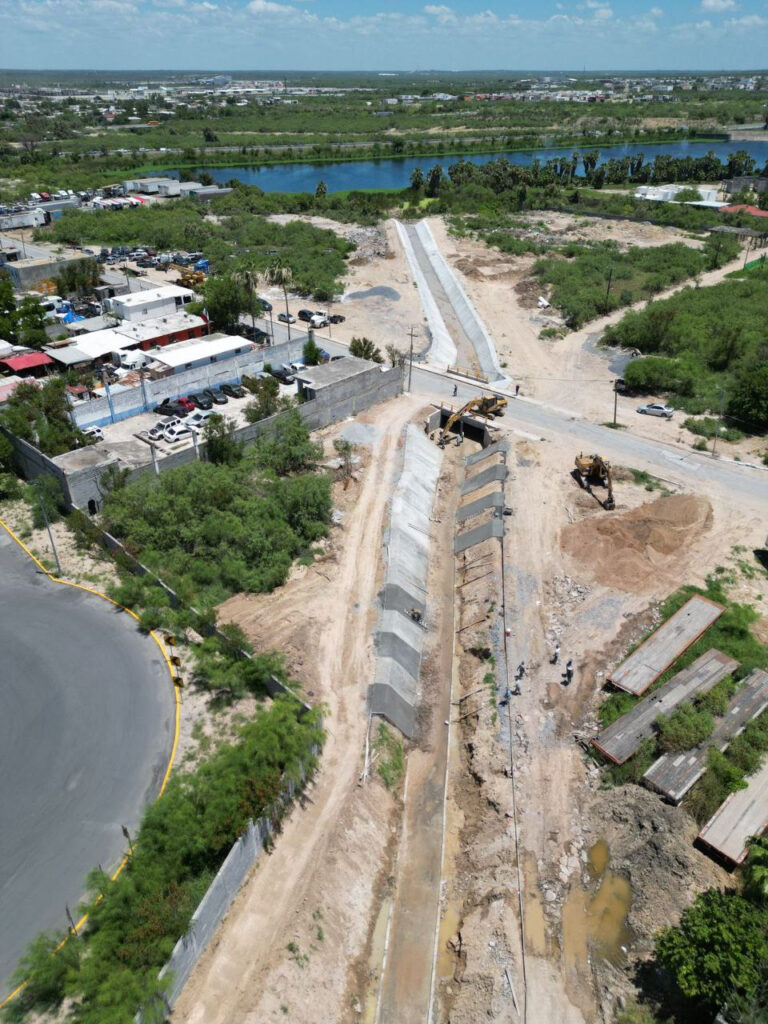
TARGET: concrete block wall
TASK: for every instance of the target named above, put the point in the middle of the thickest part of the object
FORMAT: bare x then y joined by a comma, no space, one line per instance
395,692
99,412
332,404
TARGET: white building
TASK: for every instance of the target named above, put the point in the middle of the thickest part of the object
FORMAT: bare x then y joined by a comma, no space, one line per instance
154,302
186,355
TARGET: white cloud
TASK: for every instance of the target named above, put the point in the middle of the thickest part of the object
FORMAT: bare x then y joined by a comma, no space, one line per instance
268,7
718,5
747,21
603,14
656,12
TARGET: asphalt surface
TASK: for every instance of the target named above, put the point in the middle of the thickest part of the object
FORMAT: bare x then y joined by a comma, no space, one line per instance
86,730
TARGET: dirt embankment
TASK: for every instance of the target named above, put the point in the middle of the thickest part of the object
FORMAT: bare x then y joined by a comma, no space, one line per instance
636,549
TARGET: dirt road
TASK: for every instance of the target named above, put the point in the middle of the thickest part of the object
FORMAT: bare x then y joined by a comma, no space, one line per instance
242,977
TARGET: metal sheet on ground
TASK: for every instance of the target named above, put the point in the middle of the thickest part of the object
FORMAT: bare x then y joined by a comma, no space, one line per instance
673,774
86,730
623,737
663,647
744,814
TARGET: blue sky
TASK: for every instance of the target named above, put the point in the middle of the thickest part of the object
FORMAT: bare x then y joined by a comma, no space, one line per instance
384,34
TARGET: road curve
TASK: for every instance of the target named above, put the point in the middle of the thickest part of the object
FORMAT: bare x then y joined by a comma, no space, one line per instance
87,725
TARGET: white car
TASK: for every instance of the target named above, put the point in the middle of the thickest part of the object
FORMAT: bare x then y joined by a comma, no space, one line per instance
95,432
198,419
656,409
179,432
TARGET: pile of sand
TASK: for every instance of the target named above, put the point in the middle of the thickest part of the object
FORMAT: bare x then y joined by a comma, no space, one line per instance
630,550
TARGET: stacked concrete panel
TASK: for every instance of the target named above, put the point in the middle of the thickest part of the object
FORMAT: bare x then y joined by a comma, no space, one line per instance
488,506
395,691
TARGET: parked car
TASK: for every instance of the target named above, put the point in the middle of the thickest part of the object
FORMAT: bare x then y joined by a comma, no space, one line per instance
187,403
177,433
202,401
656,409
295,367
233,390
266,306
283,375
305,315
216,396
254,334
169,408
323,356
198,419
94,432
286,318
157,433
336,358
146,262
337,318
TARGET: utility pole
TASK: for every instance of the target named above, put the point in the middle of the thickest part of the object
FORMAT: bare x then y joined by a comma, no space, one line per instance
608,289
719,421
615,401
410,358
48,528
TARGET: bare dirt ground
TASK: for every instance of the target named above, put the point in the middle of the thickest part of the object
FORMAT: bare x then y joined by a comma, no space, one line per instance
589,580
295,943
568,372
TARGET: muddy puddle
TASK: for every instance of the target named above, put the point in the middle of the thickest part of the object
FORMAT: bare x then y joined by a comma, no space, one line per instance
380,291
595,917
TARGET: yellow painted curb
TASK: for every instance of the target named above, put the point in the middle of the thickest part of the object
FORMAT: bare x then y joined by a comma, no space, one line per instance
177,698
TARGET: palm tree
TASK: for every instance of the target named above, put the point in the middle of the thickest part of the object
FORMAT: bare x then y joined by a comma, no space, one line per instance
250,280
282,276
756,870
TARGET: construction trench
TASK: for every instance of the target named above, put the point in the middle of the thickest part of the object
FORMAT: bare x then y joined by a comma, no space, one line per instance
422,950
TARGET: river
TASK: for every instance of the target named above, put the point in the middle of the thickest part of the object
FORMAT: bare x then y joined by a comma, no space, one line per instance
396,173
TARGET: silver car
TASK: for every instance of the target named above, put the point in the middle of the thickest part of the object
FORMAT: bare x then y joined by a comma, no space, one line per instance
656,409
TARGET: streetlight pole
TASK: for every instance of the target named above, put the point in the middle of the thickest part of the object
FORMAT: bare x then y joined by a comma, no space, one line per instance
615,401
719,423
48,528
410,359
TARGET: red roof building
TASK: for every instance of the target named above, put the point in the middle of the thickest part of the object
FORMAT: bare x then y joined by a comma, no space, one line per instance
743,208
27,364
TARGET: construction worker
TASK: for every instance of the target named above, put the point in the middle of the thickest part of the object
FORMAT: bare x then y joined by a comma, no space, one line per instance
556,654
517,390
517,691
520,670
455,390
568,672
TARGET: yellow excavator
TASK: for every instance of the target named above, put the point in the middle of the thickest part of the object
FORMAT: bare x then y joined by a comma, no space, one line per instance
594,469
484,405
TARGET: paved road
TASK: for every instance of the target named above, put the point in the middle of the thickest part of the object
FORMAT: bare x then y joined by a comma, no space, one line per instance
86,729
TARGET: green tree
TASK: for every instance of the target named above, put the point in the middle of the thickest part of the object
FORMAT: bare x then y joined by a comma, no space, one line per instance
31,323
266,399
288,448
310,352
748,395
45,966
321,191
221,446
417,179
281,275
8,312
434,180
364,348
756,871
395,355
684,728
346,451
225,300
718,948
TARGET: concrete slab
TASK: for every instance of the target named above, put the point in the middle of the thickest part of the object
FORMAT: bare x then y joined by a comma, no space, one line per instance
743,815
493,528
672,775
486,476
623,738
493,500
496,448
663,647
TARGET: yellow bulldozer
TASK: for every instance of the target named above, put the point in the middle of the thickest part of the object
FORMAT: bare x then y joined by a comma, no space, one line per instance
594,469
485,405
